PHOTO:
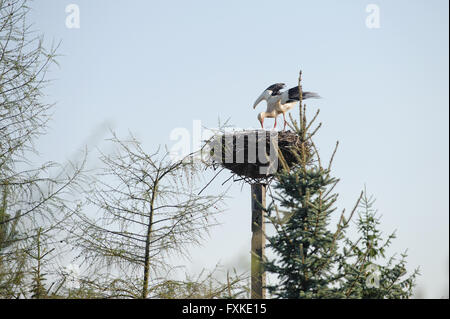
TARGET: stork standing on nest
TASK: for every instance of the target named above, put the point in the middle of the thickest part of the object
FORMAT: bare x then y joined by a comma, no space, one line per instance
280,102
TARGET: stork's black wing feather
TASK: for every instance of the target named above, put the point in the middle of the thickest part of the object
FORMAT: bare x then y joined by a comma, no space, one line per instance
294,96
275,88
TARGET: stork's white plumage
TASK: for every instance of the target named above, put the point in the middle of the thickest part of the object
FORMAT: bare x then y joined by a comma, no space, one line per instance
280,102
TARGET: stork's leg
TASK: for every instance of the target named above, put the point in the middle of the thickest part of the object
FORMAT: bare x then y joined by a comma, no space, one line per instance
284,118
275,125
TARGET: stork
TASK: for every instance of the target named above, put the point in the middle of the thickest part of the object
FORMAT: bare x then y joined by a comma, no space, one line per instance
280,102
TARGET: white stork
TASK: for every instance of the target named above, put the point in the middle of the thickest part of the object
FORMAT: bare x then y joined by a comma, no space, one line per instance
280,102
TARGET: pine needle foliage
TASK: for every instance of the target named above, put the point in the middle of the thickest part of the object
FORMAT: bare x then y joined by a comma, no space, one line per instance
311,259
365,275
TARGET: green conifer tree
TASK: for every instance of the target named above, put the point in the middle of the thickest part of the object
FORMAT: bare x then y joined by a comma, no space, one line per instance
313,260
303,243
37,256
365,275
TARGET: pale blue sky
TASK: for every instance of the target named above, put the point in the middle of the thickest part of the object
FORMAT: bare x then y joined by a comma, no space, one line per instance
152,66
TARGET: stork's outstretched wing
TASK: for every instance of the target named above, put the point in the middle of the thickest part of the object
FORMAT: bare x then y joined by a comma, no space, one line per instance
272,90
292,95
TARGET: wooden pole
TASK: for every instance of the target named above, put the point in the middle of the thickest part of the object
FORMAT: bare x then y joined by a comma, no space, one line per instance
258,277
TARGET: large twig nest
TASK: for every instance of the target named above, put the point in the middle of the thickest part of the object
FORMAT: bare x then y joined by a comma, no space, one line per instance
255,156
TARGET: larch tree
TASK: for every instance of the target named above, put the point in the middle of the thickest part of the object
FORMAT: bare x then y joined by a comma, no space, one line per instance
32,195
149,211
